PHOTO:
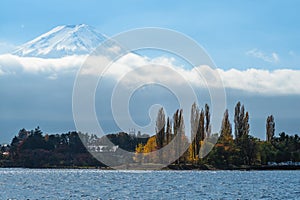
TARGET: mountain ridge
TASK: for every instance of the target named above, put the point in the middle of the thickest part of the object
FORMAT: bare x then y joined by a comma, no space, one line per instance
62,41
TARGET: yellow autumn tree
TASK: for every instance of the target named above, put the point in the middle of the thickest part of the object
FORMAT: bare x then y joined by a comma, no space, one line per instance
150,147
139,150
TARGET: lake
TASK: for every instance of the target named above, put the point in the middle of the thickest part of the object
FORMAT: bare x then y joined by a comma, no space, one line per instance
109,184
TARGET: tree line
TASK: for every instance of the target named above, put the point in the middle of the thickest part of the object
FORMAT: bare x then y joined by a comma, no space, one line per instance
233,147
35,149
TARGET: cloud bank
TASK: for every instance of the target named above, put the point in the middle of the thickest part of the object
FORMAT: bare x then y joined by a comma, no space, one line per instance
10,64
264,82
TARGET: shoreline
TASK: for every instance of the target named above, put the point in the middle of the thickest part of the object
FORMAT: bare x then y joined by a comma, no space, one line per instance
181,167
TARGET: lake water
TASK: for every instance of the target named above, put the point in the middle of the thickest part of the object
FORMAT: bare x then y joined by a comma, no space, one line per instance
98,184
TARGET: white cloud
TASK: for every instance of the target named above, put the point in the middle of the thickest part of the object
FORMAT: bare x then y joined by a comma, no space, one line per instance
265,82
277,82
272,58
11,63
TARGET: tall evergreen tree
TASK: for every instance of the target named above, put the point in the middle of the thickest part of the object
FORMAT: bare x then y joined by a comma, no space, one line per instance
201,128
243,140
178,127
237,121
270,128
194,129
160,130
168,131
226,129
200,134
241,122
207,120
246,125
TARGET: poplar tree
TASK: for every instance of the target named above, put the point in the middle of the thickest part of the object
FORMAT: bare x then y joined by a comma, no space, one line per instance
201,128
241,122
270,128
160,130
226,129
168,131
243,140
207,120
178,127
194,130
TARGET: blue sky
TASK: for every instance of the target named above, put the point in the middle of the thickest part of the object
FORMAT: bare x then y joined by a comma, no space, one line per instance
229,30
264,35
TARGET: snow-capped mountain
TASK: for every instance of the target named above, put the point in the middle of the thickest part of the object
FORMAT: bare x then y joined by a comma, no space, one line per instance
62,41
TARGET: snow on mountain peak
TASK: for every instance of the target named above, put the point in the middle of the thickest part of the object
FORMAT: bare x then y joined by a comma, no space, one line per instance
62,41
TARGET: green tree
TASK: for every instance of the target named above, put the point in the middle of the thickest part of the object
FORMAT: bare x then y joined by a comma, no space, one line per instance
179,133
160,130
35,140
194,129
226,129
241,121
168,131
201,128
270,128
207,120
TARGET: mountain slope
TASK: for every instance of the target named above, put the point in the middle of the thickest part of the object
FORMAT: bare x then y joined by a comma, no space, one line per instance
62,41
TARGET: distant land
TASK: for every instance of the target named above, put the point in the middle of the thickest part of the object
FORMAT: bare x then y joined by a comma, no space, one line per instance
33,149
